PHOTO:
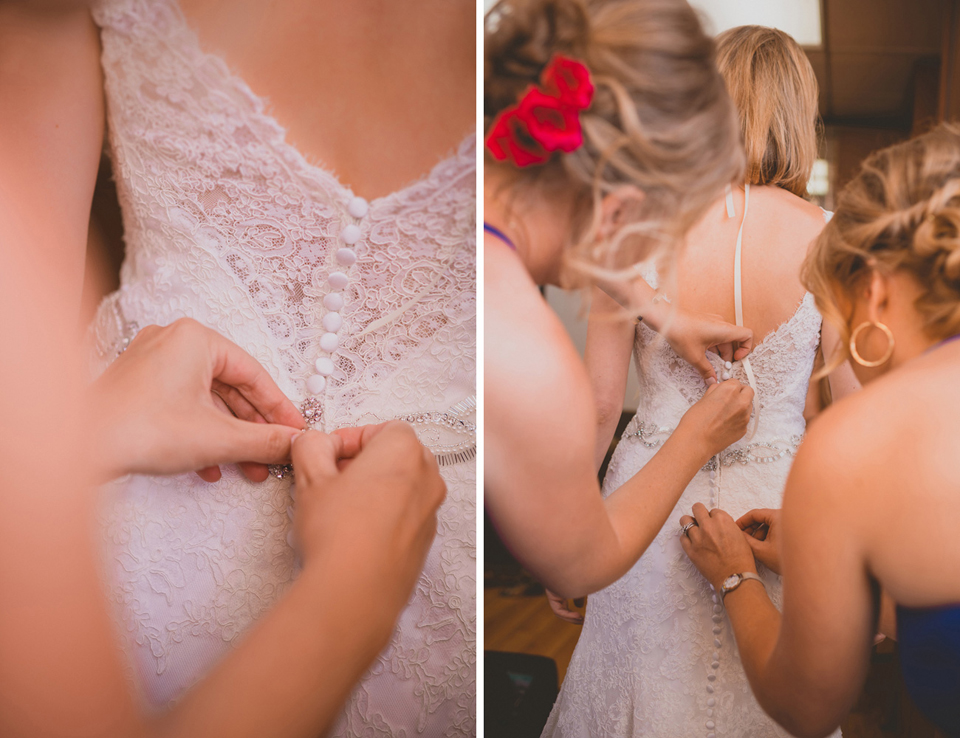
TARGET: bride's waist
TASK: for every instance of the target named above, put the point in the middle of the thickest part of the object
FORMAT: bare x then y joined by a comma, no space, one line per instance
771,442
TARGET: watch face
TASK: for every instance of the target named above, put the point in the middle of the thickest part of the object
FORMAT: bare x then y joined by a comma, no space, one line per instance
731,581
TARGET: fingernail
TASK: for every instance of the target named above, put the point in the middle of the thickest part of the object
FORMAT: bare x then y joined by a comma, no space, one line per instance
711,380
295,436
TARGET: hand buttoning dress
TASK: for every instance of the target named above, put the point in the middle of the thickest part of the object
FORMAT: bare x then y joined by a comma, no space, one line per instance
656,656
360,311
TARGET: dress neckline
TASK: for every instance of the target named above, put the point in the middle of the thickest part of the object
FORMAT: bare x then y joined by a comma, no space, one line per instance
314,172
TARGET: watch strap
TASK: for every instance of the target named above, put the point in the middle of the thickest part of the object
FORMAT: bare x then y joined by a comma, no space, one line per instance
743,576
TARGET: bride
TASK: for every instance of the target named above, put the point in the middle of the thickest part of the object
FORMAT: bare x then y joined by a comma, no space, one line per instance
352,283
655,656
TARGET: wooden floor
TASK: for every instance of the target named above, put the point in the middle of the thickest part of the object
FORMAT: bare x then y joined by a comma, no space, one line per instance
526,624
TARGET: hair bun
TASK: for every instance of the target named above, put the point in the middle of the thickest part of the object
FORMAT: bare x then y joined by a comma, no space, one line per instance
938,236
521,37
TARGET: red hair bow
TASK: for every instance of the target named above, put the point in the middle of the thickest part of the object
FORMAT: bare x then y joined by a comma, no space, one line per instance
546,119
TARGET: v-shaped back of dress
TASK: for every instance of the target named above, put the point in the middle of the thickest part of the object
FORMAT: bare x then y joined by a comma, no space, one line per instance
778,369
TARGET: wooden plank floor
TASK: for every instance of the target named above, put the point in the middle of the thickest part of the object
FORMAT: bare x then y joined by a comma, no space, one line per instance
526,624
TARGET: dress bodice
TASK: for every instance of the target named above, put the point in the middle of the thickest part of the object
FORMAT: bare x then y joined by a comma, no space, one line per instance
226,222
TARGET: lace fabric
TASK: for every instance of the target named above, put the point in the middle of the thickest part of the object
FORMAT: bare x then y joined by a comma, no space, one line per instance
656,655
228,224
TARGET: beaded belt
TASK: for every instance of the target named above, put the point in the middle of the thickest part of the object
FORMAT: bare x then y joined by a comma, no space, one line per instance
762,452
451,438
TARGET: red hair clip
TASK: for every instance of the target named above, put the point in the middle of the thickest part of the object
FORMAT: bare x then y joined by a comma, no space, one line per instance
546,119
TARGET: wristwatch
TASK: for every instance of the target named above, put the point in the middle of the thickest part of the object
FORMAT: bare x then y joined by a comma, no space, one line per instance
735,580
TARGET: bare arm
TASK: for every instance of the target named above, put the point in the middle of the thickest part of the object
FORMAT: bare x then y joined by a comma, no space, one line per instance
610,335
51,132
541,486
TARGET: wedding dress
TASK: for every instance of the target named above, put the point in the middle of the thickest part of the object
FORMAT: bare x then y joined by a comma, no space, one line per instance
656,656
361,312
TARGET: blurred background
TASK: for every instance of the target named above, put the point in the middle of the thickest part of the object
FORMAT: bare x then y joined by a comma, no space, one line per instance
888,70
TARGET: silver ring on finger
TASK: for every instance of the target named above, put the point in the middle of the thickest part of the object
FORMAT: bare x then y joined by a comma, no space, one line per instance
685,528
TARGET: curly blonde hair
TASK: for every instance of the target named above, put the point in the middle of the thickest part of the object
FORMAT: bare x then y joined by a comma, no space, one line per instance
900,213
660,119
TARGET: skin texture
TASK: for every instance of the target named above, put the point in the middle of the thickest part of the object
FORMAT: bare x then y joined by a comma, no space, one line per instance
851,525
322,63
368,494
541,488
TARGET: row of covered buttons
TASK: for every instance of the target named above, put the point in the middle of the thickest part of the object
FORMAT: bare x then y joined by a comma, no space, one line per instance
333,301
717,616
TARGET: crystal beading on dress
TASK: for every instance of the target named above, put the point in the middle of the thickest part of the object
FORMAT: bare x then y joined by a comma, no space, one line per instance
227,223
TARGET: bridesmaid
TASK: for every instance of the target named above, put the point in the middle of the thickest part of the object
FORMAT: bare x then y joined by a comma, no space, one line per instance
644,140
886,272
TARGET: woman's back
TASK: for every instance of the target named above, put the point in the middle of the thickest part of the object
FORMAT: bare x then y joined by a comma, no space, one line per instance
777,232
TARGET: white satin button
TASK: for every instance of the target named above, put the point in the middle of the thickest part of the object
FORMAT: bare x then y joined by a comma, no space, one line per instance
316,383
329,342
333,301
350,235
332,322
337,280
324,366
346,257
358,207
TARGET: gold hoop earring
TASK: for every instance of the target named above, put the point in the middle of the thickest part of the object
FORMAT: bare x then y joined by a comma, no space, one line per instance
856,354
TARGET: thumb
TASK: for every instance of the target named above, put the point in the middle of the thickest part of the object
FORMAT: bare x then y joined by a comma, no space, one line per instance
315,457
705,369
756,545
242,440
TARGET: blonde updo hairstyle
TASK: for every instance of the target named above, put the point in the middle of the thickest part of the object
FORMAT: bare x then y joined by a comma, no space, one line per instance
775,91
900,213
660,119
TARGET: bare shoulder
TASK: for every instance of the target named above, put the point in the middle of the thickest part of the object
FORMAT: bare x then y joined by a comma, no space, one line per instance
838,457
795,221
536,389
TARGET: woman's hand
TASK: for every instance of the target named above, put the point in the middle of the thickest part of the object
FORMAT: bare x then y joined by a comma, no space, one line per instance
377,514
155,410
562,610
719,418
762,530
716,545
691,335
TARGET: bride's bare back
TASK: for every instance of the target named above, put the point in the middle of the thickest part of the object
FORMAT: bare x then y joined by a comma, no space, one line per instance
778,231
375,92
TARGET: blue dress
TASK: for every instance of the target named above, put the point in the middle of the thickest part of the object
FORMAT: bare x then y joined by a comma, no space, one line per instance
929,641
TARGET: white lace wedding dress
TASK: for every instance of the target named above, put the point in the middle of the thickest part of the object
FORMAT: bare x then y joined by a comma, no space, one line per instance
656,655
360,311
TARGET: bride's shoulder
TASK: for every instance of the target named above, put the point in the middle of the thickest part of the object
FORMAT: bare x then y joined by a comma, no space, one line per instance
787,208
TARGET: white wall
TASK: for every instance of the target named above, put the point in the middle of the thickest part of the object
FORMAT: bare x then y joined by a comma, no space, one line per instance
569,306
